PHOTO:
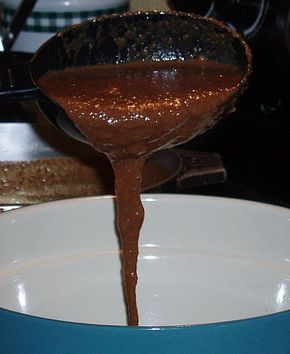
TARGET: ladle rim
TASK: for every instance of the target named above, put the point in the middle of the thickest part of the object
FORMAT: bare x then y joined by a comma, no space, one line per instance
216,22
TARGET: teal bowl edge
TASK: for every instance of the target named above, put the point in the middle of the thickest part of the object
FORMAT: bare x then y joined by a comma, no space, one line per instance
27,334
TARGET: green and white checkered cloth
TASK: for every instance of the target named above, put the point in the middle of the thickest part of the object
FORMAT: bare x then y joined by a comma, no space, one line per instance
56,21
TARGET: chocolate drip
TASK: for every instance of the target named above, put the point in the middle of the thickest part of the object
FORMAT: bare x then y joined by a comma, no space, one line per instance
127,111
130,215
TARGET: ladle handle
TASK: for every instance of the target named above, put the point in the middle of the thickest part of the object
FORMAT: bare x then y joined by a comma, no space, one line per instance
16,83
17,23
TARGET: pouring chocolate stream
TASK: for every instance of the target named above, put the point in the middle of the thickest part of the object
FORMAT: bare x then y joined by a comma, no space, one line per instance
128,111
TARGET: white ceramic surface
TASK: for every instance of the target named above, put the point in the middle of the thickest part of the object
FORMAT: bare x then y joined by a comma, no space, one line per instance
202,259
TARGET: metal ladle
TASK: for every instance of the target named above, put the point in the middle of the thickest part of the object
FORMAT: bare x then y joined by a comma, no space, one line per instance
121,38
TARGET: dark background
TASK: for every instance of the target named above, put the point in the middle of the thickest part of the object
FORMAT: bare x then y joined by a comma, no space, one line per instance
254,142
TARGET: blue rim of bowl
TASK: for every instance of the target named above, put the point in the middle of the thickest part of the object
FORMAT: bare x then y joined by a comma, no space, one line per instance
260,318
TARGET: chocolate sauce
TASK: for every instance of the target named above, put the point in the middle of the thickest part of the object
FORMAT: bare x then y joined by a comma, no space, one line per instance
127,111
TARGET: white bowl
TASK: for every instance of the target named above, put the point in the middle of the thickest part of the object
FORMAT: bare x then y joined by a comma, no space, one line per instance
202,260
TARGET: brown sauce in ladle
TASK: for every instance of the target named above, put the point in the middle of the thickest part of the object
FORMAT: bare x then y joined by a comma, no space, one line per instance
127,111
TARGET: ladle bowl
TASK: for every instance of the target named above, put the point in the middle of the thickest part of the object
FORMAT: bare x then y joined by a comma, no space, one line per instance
122,38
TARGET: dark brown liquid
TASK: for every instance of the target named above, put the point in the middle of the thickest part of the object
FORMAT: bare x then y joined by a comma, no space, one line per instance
127,111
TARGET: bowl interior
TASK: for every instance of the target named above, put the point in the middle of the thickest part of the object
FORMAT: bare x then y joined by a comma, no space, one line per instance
202,260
